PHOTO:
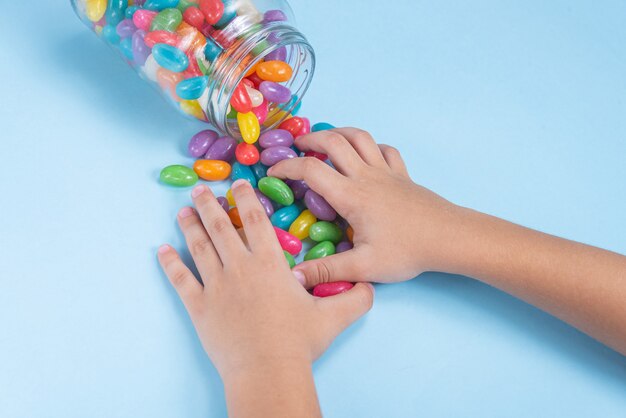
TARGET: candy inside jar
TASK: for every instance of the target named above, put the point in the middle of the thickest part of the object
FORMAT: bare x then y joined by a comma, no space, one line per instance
240,65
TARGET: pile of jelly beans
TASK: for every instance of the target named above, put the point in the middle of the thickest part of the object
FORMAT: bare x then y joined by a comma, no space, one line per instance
300,216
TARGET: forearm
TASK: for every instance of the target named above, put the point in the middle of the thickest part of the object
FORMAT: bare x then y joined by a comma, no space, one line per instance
583,285
272,389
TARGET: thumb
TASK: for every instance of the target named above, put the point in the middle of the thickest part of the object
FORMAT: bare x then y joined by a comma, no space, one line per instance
344,266
345,308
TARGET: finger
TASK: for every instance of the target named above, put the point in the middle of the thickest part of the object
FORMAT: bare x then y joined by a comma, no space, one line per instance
217,224
345,308
346,266
317,175
200,246
188,288
343,156
394,159
364,145
256,224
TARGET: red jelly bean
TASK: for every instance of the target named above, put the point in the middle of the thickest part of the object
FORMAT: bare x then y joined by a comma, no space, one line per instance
255,79
193,70
248,83
288,242
240,100
293,125
161,37
212,9
330,289
194,17
261,111
317,155
247,154
306,128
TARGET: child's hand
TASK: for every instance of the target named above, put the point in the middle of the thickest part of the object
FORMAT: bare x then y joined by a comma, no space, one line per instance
256,323
400,228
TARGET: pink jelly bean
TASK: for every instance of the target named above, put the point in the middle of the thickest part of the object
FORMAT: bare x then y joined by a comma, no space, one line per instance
306,127
142,18
330,289
288,242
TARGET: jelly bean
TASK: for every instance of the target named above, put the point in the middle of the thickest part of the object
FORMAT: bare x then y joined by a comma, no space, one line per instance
212,9
212,50
273,155
178,175
285,216
95,9
350,233
325,231
299,188
170,58
300,227
241,171
161,37
212,170
109,33
294,104
233,214
160,4
223,202
168,20
322,126
323,249
168,81
193,16
279,54
265,202
260,170
343,246
141,52
317,155
192,108
249,127
192,88
290,260
240,100
126,46
319,206
143,19
256,97
277,190
276,137
261,111
185,4
277,71
255,79
247,154
126,28
130,11
229,197
274,16
288,242
150,68
230,12
115,11
247,82
232,113
223,149
306,128
200,143
275,92
293,125
323,290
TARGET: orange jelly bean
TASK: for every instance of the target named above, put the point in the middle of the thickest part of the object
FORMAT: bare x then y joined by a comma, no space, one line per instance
212,170
350,233
233,214
277,71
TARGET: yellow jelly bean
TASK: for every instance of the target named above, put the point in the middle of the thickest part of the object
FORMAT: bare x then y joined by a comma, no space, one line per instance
300,227
192,108
94,9
249,127
230,198
275,117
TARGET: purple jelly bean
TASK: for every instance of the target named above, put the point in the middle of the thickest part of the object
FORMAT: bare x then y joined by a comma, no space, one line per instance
140,49
343,246
276,137
279,54
272,155
201,142
223,149
274,16
224,202
265,202
126,28
298,187
319,206
274,38
274,92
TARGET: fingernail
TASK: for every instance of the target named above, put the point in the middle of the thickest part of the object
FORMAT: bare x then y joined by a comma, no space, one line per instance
185,212
163,249
371,286
198,190
299,276
237,183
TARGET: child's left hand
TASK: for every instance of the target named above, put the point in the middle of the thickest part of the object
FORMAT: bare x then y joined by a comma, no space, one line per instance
255,321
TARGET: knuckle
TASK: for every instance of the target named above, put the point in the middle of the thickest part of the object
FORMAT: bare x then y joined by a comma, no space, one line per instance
324,273
254,217
334,140
366,297
199,246
310,164
219,225
178,277
361,135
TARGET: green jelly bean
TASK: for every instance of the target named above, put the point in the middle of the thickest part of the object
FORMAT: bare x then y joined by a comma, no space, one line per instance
323,249
185,4
290,259
277,190
325,231
168,20
179,176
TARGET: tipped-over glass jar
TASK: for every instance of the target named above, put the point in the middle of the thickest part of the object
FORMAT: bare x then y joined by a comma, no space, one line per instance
220,61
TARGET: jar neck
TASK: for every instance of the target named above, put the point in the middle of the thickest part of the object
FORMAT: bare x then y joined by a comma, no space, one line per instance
245,52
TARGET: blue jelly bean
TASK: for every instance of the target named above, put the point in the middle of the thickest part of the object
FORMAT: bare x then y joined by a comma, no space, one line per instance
321,126
115,11
128,14
170,57
296,109
241,171
212,50
126,46
230,12
109,33
259,170
160,4
284,217
192,88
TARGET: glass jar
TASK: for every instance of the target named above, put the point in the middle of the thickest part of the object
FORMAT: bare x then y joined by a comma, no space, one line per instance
204,49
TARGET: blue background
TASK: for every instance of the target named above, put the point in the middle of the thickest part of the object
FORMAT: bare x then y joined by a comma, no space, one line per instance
517,109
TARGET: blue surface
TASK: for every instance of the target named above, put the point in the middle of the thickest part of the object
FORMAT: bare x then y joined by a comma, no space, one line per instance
513,108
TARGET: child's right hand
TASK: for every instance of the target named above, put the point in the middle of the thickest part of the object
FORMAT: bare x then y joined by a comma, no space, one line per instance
400,229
